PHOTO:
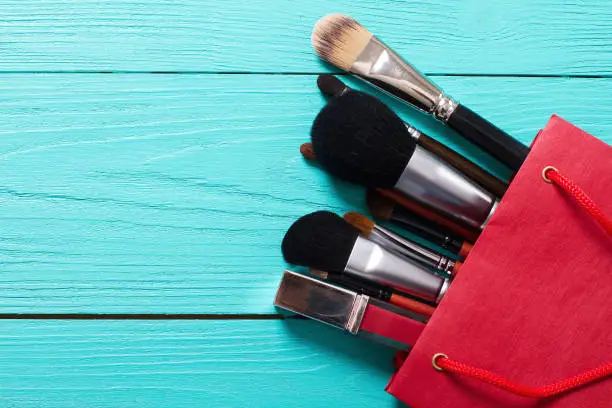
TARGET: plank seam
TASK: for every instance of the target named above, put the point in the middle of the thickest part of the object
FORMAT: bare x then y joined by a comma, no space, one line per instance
143,316
263,73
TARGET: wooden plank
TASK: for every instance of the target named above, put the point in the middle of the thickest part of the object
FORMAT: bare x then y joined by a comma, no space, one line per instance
171,193
48,364
443,36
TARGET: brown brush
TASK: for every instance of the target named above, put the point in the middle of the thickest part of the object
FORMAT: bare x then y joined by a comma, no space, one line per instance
414,206
378,292
400,245
429,214
385,209
334,87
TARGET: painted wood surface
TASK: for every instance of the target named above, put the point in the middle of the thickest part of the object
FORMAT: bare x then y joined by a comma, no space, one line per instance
135,192
443,36
86,364
171,193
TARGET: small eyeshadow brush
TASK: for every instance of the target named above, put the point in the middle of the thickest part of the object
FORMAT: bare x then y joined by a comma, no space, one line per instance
400,245
343,42
409,204
385,209
334,87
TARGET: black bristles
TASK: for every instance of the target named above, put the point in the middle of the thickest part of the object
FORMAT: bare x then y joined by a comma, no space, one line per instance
320,240
331,86
359,139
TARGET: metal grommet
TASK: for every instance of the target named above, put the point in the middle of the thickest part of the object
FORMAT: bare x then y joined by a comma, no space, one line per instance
544,170
435,358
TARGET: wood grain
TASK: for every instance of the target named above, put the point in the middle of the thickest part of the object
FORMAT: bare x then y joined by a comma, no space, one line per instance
171,193
443,36
299,364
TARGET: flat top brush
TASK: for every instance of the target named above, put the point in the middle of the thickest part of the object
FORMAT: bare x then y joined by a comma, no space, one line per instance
359,139
331,86
345,43
323,240
400,245
383,208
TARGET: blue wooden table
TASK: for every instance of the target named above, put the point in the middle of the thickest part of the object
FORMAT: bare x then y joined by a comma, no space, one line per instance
149,168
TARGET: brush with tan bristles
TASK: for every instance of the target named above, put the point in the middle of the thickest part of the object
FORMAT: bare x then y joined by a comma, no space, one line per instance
343,42
400,245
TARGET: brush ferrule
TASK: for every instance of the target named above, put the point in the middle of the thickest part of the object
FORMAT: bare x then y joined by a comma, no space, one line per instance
404,247
413,132
383,68
372,262
321,301
435,183
444,108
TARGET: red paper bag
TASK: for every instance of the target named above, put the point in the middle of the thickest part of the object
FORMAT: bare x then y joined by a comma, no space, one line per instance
532,302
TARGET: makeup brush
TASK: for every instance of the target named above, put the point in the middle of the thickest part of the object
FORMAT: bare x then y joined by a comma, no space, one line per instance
410,204
322,240
383,208
376,291
400,245
333,87
345,43
369,145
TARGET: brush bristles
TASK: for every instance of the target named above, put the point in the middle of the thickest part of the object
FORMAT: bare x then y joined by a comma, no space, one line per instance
308,152
360,221
380,206
338,39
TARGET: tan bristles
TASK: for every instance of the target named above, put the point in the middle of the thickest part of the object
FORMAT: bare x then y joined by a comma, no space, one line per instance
317,272
360,221
308,152
380,206
339,40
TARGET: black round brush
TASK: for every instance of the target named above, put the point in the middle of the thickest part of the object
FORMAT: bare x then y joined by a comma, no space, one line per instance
359,139
332,86
322,240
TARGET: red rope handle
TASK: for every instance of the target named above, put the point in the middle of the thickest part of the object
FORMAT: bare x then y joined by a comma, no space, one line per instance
441,362
552,175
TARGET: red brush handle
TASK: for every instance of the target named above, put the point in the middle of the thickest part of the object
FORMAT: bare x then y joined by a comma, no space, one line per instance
387,324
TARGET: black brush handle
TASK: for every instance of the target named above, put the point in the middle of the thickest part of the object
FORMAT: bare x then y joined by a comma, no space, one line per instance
487,136
427,230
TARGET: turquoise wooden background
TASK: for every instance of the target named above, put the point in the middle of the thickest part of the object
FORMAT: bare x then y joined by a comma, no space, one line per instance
149,165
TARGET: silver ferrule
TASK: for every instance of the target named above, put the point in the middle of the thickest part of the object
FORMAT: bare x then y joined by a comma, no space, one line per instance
321,301
371,262
413,132
383,68
404,247
432,181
